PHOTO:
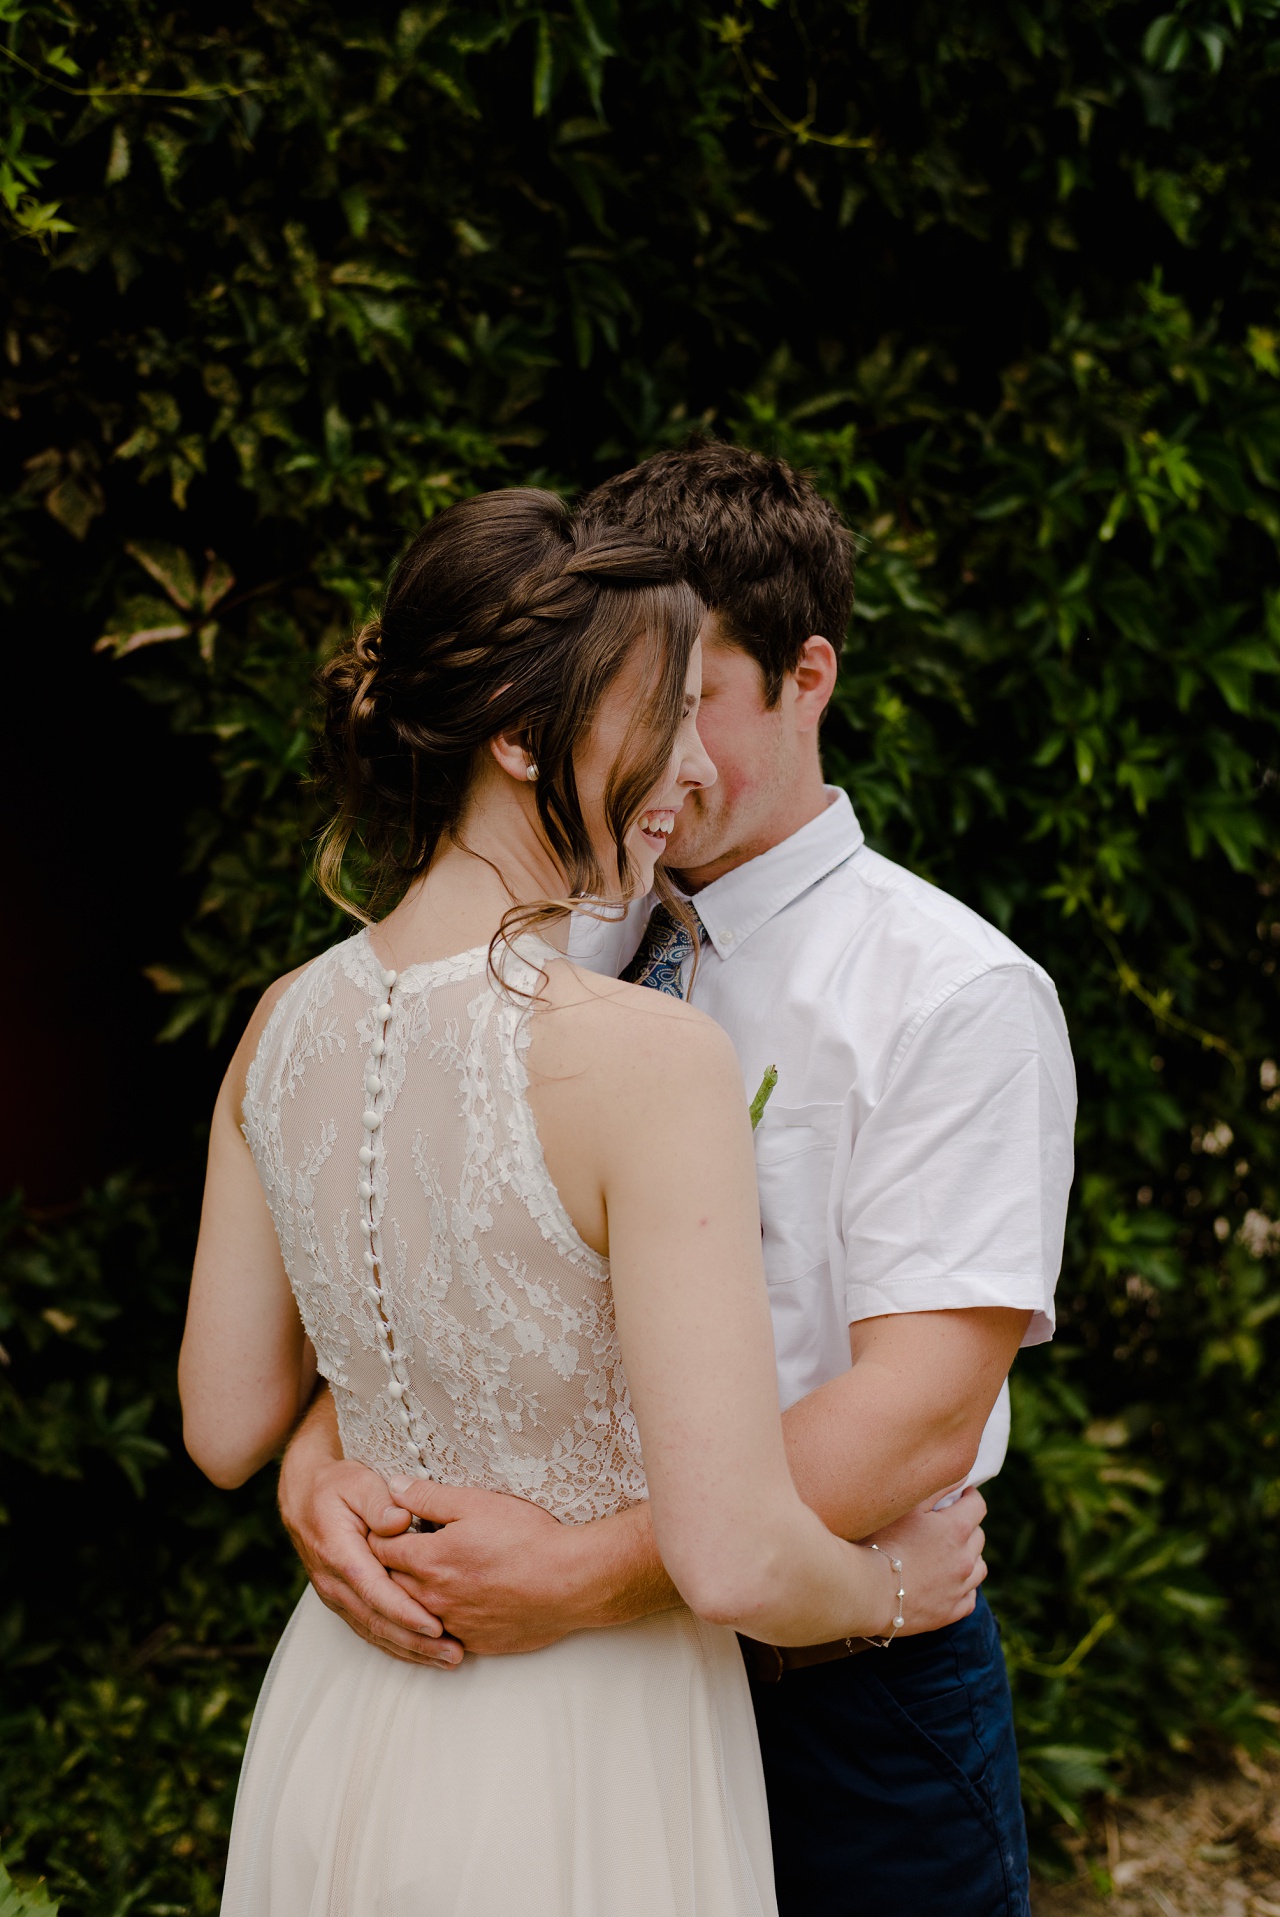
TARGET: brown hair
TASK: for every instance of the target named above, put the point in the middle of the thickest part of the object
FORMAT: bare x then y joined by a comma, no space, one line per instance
772,558
502,615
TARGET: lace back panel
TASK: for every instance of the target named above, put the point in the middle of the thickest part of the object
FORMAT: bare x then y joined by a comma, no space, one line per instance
465,1330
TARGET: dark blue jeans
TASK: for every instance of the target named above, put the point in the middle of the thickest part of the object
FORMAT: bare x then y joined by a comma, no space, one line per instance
893,1781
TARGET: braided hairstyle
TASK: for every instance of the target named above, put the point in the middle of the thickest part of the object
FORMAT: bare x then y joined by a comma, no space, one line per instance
501,616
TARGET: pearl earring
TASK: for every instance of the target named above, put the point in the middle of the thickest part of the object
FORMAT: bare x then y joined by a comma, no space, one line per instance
531,772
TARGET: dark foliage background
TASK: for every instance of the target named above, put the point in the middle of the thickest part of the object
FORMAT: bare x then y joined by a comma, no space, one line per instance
1004,277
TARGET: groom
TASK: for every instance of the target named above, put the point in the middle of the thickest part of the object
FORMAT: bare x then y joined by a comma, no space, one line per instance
914,1163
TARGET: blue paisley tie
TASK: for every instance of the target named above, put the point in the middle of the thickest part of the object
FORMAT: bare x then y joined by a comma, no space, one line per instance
663,950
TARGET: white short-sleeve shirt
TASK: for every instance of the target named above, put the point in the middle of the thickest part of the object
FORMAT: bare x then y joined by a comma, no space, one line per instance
916,1154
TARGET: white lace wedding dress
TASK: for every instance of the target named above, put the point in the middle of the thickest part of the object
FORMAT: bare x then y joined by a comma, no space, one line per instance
467,1334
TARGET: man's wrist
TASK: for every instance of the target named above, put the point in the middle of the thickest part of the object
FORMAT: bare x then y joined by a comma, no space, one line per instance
313,1449
575,1586
611,1572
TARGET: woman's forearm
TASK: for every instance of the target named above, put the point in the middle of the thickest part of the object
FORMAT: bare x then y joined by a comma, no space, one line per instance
785,1579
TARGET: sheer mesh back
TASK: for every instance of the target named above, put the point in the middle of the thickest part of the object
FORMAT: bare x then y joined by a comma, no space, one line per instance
465,1329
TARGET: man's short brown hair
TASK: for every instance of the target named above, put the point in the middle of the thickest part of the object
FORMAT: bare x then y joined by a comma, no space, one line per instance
772,557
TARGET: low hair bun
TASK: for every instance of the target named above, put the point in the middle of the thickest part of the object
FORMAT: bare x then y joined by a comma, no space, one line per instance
349,684
367,644
367,650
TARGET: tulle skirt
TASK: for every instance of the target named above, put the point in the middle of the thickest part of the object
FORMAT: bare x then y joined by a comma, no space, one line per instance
615,1774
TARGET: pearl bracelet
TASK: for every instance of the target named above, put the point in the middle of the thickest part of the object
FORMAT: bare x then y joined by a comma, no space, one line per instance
883,1643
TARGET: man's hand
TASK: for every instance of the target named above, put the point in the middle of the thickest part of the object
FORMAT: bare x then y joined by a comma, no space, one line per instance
497,1572
332,1510
942,1561
505,1576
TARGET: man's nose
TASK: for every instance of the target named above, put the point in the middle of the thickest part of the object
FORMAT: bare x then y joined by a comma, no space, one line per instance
700,771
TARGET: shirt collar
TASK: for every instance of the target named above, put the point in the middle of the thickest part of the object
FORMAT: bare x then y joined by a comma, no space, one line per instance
734,907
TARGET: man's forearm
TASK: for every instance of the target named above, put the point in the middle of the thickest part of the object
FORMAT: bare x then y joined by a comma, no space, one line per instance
857,1460
901,1427
314,1443
863,1451
904,1424
615,1572
858,1463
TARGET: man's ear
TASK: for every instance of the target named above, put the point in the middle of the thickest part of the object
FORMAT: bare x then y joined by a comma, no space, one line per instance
815,676
511,753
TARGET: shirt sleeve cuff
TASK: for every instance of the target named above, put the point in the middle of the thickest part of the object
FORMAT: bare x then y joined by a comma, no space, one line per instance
958,1291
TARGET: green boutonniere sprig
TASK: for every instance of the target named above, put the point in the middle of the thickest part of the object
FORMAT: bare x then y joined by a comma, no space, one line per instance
763,1096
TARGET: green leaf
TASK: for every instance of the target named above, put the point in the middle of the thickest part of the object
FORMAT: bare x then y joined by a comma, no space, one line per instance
543,68
32,1902
38,219
1232,671
1165,42
216,584
119,159
141,621
170,567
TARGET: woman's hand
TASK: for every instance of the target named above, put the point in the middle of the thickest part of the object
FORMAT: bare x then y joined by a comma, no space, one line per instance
942,1562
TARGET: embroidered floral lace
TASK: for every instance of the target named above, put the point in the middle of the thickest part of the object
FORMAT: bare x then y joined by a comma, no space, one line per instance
465,1330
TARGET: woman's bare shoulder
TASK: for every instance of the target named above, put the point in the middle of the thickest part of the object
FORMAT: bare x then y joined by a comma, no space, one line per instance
261,1015
570,987
608,1020
233,1084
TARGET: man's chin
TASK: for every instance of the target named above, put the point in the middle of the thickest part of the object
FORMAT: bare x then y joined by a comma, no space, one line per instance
690,852
703,834
681,852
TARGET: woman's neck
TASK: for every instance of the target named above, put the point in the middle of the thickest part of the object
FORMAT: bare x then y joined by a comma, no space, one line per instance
496,860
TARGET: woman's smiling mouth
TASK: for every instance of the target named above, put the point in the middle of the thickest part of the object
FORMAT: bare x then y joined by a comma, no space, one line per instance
655,826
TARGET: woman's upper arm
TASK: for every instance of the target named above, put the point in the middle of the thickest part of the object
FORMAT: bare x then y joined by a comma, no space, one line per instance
688,1281
237,1245
242,1362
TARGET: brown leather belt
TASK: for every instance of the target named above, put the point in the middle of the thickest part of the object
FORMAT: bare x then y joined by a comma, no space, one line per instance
768,1663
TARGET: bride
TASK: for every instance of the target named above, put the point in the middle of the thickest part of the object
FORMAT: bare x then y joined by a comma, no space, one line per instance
507,1209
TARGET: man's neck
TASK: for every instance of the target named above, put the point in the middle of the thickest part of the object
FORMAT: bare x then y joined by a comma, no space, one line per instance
780,825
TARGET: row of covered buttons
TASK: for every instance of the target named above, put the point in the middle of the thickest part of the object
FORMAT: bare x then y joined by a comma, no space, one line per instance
370,1152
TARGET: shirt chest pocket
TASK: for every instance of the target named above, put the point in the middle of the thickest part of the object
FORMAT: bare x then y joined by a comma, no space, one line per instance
795,1159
